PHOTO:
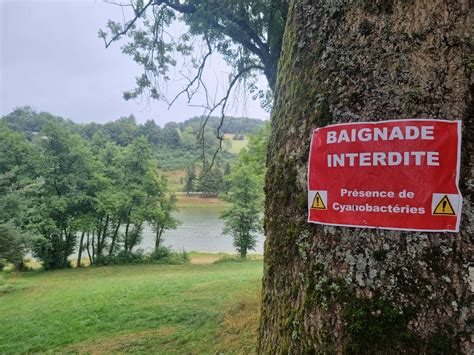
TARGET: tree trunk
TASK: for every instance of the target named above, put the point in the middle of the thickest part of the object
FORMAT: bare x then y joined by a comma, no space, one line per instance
159,232
91,261
334,289
127,226
94,254
101,238
114,238
67,245
20,266
79,256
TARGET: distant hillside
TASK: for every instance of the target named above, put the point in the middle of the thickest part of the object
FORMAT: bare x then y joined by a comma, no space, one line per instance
29,122
26,120
175,145
233,125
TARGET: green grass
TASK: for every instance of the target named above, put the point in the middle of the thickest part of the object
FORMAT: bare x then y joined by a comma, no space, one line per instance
236,145
189,308
196,201
175,180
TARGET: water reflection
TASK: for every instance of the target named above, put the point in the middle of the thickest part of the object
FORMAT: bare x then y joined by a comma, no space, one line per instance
201,230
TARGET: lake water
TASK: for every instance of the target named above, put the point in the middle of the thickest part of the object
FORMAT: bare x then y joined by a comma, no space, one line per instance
200,230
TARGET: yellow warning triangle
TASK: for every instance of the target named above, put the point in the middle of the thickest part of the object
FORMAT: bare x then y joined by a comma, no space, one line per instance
318,202
444,207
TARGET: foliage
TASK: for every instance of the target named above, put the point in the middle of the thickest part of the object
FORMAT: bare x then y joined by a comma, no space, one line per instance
233,125
174,147
92,188
255,154
160,215
66,166
12,244
94,195
25,120
247,34
161,252
244,219
18,189
245,192
171,258
163,256
123,258
190,180
210,181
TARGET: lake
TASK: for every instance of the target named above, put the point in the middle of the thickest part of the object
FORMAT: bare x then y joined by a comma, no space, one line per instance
200,230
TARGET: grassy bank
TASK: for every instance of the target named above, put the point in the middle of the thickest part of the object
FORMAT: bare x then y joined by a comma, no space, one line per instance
193,308
184,201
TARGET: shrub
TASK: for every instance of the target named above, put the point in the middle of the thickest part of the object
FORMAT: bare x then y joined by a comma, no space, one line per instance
164,255
3,263
183,254
162,252
173,258
123,258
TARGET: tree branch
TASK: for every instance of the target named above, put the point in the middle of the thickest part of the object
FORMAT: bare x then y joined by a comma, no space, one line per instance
223,104
182,8
130,24
197,77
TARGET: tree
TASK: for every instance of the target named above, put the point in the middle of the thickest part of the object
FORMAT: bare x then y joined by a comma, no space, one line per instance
136,165
66,166
18,193
26,120
160,204
13,245
247,34
210,181
243,220
255,154
188,139
190,179
227,184
122,131
101,226
345,290
151,131
171,135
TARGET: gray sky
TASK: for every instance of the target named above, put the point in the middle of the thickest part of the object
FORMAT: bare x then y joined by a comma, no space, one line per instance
52,60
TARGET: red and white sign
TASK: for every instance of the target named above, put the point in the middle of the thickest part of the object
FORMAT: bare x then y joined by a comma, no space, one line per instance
400,174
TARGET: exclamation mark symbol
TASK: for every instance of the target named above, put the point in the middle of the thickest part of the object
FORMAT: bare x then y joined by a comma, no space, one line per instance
318,202
444,207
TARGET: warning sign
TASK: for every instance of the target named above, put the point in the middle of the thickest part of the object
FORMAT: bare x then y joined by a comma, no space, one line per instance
400,174
442,204
319,200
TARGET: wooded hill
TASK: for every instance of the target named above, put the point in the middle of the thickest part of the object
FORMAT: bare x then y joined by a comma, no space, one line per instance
176,145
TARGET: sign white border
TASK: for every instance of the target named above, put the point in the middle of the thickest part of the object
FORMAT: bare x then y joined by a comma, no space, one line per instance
458,170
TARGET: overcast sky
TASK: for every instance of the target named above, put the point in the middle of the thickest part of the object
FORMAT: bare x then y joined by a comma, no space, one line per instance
52,60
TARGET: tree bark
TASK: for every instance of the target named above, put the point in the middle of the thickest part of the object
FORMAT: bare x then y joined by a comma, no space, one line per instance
159,232
334,289
91,260
67,245
79,256
127,226
94,254
101,239
114,237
